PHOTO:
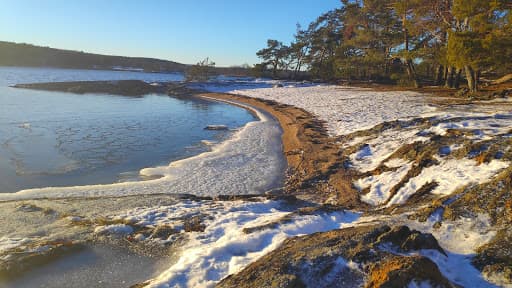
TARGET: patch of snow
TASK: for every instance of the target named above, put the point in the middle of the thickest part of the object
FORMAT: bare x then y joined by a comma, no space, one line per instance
11,243
339,265
462,236
380,185
395,163
450,175
115,229
458,269
445,150
436,216
483,125
208,142
459,239
223,248
339,273
379,149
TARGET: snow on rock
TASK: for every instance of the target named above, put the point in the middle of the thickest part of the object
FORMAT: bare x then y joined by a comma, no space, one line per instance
459,239
450,175
223,248
346,109
7,243
458,269
483,125
371,155
340,266
395,163
380,185
115,229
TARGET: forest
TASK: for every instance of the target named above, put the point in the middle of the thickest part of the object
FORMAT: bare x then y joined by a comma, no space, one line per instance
410,43
20,54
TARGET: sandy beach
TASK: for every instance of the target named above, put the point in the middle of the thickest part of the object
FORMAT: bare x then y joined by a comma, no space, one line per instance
312,155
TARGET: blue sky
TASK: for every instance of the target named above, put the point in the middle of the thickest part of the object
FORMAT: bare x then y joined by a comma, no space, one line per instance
228,31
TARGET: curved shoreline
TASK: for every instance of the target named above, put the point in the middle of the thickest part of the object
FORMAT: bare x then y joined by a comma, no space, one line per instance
314,171
242,144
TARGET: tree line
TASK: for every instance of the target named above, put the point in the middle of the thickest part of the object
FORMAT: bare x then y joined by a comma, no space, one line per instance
20,54
408,42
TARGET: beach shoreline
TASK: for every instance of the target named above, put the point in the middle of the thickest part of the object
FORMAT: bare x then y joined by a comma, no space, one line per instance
314,171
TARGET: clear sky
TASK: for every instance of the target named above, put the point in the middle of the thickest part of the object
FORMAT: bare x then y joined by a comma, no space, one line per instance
228,31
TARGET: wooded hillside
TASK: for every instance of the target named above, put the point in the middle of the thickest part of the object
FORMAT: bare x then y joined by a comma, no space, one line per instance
14,54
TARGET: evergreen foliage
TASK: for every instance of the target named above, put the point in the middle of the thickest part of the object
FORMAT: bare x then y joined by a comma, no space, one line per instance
409,42
202,71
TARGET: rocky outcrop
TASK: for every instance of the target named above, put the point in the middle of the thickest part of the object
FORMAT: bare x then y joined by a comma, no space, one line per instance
399,271
402,238
122,87
351,257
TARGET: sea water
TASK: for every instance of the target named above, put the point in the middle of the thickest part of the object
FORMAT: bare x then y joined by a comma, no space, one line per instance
61,139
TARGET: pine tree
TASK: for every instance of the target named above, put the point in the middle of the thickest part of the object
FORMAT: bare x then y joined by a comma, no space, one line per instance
274,55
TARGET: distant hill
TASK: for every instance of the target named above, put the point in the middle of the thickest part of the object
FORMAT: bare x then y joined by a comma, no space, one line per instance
15,54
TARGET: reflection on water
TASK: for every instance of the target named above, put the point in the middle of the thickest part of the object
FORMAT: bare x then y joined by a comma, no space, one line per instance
16,75
61,139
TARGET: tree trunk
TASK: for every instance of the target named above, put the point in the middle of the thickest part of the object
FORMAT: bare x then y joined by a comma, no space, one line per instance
449,77
274,69
456,82
297,68
411,72
439,75
471,78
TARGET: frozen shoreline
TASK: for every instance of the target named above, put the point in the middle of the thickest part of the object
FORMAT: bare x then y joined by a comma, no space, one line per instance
250,162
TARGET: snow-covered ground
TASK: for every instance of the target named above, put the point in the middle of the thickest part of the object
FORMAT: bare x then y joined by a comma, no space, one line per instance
346,109
223,248
459,239
450,173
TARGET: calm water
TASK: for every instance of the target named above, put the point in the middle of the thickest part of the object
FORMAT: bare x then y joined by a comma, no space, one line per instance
62,139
